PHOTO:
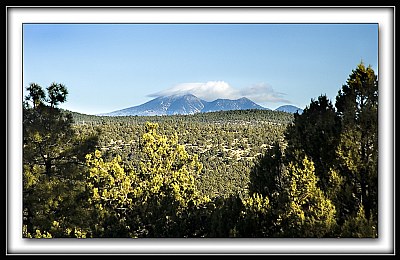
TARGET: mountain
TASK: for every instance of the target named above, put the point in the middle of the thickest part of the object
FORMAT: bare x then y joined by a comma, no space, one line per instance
169,105
227,104
289,109
184,105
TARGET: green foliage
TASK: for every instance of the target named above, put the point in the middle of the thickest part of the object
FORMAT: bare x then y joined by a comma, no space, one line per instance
335,186
36,95
255,219
151,200
222,216
168,173
359,226
308,213
267,176
55,231
110,196
52,162
57,93
315,132
357,106
227,143
252,173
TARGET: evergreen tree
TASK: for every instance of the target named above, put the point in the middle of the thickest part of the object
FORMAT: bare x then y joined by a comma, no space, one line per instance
154,200
307,212
357,106
359,226
266,176
257,218
53,157
316,133
111,190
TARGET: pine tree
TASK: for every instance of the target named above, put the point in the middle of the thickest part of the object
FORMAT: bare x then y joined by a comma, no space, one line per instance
307,212
155,199
111,191
315,133
53,157
357,106
266,176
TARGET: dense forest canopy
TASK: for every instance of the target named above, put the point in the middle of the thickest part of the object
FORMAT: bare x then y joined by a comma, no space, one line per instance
243,173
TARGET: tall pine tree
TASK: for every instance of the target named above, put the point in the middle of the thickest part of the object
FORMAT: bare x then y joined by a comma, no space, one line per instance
53,157
357,107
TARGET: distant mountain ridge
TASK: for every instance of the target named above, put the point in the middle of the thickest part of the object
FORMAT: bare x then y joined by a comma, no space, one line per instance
228,104
289,109
187,104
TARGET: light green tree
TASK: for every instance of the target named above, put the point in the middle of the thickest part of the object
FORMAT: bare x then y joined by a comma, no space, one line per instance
307,212
111,191
153,200
256,218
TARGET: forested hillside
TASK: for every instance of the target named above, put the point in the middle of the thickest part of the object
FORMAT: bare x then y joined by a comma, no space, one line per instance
227,142
243,173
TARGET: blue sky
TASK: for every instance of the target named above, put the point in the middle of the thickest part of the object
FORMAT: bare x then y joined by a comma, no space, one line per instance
107,67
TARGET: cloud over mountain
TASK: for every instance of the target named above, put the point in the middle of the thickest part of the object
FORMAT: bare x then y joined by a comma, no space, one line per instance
208,91
187,104
263,93
212,90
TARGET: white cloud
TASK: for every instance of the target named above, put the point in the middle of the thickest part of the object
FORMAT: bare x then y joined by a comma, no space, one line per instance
208,91
212,90
263,93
